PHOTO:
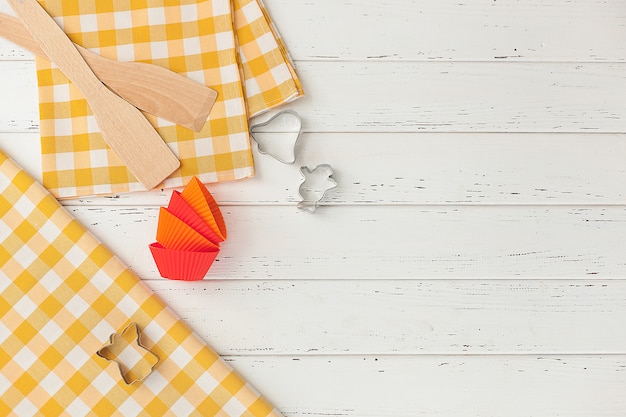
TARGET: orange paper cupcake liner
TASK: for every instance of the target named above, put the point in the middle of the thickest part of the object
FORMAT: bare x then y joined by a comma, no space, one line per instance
175,234
189,233
201,200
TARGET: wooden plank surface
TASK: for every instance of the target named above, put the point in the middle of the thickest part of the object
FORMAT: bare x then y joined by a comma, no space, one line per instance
471,262
457,386
421,97
415,169
462,97
439,30
429,317
386,242
19,108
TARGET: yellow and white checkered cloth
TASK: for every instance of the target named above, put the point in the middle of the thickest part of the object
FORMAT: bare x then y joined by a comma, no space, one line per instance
229,45
62,294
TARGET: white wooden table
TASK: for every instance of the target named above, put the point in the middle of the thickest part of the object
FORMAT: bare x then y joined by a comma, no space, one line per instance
472,261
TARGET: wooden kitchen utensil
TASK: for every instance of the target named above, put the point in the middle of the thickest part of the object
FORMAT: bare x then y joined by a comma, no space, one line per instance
123,127
148,87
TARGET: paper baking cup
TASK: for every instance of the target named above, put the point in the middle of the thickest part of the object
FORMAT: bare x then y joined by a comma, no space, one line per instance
182,265
175,234
181,209
201,200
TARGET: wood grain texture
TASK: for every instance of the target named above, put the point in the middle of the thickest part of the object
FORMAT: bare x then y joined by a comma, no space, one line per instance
19,107
383,242
436,30
441,386
429,317
444,30
436,97
415,169
462,97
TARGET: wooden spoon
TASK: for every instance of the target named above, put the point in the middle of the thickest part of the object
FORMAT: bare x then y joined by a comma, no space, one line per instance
151,88
123,127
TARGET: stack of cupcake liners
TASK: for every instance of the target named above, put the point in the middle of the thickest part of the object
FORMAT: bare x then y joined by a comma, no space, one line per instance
189,233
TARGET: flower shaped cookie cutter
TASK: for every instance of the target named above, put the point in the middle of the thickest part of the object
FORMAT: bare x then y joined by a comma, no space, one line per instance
134,361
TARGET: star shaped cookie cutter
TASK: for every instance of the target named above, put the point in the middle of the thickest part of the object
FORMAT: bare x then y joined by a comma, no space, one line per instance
134,361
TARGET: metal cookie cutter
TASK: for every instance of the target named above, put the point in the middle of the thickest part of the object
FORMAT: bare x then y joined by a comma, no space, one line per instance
288,127
125,345
316,184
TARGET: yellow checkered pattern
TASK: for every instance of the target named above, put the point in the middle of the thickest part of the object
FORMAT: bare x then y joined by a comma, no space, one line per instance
62,294
228,45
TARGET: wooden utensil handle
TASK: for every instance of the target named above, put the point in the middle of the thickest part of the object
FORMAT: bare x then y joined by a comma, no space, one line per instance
56,44
148,87
123,127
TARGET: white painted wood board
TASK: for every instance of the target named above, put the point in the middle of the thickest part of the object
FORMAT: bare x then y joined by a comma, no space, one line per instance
472,260
438,30
458,386
403,317
390,242
415,169
420,97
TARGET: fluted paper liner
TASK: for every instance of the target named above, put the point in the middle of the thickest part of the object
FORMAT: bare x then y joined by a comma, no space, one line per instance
189,233
181,209
182,265
201,200
175,234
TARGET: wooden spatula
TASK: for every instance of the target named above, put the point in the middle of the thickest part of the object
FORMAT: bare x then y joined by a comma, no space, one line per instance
123,127
151,88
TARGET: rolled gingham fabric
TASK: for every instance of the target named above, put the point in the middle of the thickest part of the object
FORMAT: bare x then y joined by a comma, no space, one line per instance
229,45
62,296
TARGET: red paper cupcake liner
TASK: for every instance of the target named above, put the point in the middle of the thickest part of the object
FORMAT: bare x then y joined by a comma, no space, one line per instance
182,265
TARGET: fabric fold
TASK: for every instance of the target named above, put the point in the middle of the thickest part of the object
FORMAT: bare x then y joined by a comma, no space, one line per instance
62,295
231,46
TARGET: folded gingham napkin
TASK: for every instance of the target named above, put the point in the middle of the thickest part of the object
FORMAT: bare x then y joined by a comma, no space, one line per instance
62,294
229,45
